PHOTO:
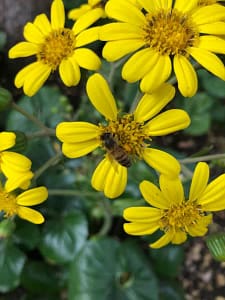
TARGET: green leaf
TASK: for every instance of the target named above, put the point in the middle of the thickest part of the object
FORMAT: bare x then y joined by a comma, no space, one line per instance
11,264
216,245
107,270
62,238
212,84
2,39
26,234
171,290
38,277
167,261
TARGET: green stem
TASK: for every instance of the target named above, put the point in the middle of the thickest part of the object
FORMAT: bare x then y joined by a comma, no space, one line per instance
51,162
107,218
201,158
44,132
67,192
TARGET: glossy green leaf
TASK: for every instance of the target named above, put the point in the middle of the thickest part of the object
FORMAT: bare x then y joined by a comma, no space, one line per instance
216,245
171,290
107,270
26,234
11,264
62,238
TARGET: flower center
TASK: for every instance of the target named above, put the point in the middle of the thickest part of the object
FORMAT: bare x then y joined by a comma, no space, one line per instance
181,216
128,134
58,45
8,203
170,32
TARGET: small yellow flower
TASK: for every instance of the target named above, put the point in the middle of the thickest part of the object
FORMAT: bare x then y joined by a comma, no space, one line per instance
55,47
165,35
13,204
171,213
15,166
124,137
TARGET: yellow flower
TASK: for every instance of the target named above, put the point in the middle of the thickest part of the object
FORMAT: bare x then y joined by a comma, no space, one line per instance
124,137
165,36
55,47
171,213
13,204
15,166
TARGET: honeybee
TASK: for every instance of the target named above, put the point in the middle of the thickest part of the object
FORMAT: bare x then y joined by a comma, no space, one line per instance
115,150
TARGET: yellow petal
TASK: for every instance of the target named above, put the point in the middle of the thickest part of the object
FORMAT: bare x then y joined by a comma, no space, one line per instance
43,24
167,122
110,177
163,241
152,6
199,181
14,162
87,59
172,190
179,237
18,180
23,49
125,12
120,31
209,61
150,104
161,161
32,34
69,75
212,43
87,19
216,28
142,214
30,215
213,198
140,228
87,36
57,14
184,6
153,195
101,97
158,75
7,140
139,64
186,76
33,196
200,228
74,150
208,14
117,49
75,13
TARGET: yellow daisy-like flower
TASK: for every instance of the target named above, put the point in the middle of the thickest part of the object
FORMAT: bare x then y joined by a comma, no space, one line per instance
13,204
171,213
165,35
55,47
15,166
124,137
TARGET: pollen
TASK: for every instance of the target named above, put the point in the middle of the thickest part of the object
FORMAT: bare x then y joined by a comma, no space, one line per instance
170,32
181,216
58,45
128,134
8,203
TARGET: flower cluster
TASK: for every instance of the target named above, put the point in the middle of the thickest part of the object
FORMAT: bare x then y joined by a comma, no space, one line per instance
162,38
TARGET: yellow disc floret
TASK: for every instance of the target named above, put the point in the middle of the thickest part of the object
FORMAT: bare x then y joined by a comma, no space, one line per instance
8,203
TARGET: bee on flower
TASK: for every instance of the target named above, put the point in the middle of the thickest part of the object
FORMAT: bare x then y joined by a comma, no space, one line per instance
171,213
124,137
55,47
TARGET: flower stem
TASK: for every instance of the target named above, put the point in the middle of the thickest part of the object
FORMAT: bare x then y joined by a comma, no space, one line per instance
67,192
40,133
202,158
107,218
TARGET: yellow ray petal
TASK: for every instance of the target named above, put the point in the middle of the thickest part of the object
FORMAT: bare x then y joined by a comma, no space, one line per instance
142,214
208,14
117,49
43,24
161,161
32,34
199,181
75,13
33,196
209,61
158,75
151,104
153,195
7,140
140,228
74,150
186,76
163,241
216,28
23,73
57,14
212,43
101,97
172,190
87,59
167,122
23,49
76,132
18,180
184,6
152,6
87,36
69,72
200,228
125,12
139,64
179,237
30,215
120,31
87,19
14,162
